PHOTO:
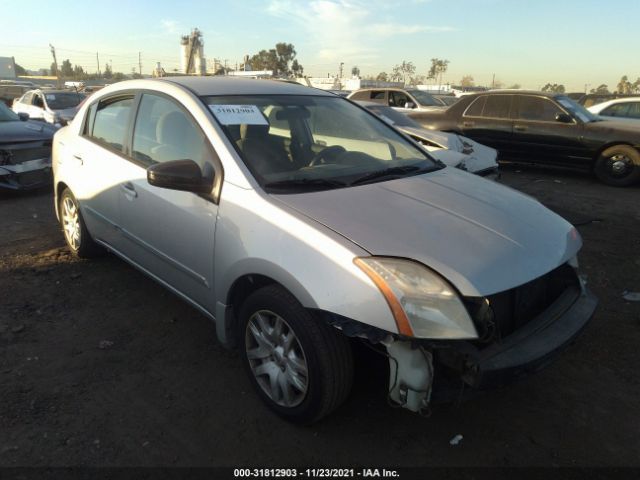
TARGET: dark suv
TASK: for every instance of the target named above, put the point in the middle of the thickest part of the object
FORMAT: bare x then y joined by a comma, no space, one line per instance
544,128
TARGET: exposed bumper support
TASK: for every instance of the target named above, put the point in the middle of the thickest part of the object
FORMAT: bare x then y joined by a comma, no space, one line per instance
528,349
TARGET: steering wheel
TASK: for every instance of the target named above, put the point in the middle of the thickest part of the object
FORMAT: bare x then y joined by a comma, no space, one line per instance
320,156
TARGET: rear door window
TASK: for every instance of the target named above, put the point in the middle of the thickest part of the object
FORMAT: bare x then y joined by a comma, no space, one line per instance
617,110
475,109
111,121
497,106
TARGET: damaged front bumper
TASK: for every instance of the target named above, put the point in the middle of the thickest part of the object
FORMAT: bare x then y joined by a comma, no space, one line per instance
26,175
425,371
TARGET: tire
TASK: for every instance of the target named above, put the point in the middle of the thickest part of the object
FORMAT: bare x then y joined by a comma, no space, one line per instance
315,347
74,228
618,166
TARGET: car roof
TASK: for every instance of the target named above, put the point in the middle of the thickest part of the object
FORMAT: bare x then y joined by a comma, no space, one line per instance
511,91
204,86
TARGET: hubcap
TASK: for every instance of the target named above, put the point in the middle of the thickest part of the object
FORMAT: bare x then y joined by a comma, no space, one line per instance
71,222
620,165
276,358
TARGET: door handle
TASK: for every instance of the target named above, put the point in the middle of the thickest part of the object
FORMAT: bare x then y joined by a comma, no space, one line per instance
129,190
468,124
520,128
78,159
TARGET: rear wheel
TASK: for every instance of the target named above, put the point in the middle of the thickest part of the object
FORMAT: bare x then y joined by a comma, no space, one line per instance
618,166
301,368
75,230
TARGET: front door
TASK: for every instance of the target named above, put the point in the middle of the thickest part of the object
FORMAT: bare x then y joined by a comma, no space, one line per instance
541,138
169,233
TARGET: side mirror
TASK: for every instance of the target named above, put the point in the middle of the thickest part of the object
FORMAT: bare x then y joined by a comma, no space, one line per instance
24,116
182,175
564,118
409,105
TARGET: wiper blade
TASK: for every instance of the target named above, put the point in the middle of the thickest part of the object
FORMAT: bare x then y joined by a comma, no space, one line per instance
390,172
306,183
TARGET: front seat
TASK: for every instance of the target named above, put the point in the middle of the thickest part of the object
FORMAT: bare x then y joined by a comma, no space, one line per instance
263,153
172,132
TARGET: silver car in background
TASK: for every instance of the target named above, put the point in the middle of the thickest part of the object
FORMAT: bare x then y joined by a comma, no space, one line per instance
301,223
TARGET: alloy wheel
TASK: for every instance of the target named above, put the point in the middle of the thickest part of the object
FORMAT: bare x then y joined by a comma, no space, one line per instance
71,222
276,358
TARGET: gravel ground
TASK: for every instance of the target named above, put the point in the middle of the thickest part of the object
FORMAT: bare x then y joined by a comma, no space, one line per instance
99,366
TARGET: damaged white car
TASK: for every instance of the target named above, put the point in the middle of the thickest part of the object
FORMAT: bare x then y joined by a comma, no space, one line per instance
451,149
300,222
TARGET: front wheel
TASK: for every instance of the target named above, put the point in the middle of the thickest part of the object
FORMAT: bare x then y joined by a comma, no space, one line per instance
618,166
301,368
75,230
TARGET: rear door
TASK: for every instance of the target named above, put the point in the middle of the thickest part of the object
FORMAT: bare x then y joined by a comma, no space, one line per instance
540,138
169,233
96,165
488,120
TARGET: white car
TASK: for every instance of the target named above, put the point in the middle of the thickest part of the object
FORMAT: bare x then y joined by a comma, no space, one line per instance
627,109
57,107
451,149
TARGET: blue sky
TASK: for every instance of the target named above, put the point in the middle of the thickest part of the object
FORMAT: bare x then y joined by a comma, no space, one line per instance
530,42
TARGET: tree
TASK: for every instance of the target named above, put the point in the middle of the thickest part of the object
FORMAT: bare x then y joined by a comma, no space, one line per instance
286,54
108,73
402,71
382,77
624,86
467,81
635,87
438,69
296,68
78,72
355,71
281,60
119,76
553,88
603,89
66,70
515,86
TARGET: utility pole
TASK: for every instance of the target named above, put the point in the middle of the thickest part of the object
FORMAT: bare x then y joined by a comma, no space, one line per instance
98,62
139,64
493,82
341,66
55,64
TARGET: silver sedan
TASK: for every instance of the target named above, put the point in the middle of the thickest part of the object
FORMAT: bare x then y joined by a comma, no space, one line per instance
301,223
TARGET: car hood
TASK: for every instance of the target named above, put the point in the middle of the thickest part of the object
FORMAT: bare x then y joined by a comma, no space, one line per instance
18,131
480,157
606,126
482,237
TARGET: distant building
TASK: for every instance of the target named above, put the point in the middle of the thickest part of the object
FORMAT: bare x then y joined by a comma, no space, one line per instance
358,83
7,67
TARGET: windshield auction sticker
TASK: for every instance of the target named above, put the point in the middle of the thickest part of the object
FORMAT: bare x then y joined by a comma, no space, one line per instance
238,114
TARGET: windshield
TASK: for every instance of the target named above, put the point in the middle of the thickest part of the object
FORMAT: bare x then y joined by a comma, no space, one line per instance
297,143
577,110
425,99
392,117
63,100
7,115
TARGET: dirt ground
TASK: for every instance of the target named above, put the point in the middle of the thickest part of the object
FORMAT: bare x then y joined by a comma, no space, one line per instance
99,366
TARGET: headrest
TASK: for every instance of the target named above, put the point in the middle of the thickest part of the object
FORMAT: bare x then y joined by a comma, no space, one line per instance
172,128
253,131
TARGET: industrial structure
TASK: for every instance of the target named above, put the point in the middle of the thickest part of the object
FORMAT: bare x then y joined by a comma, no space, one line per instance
192,59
